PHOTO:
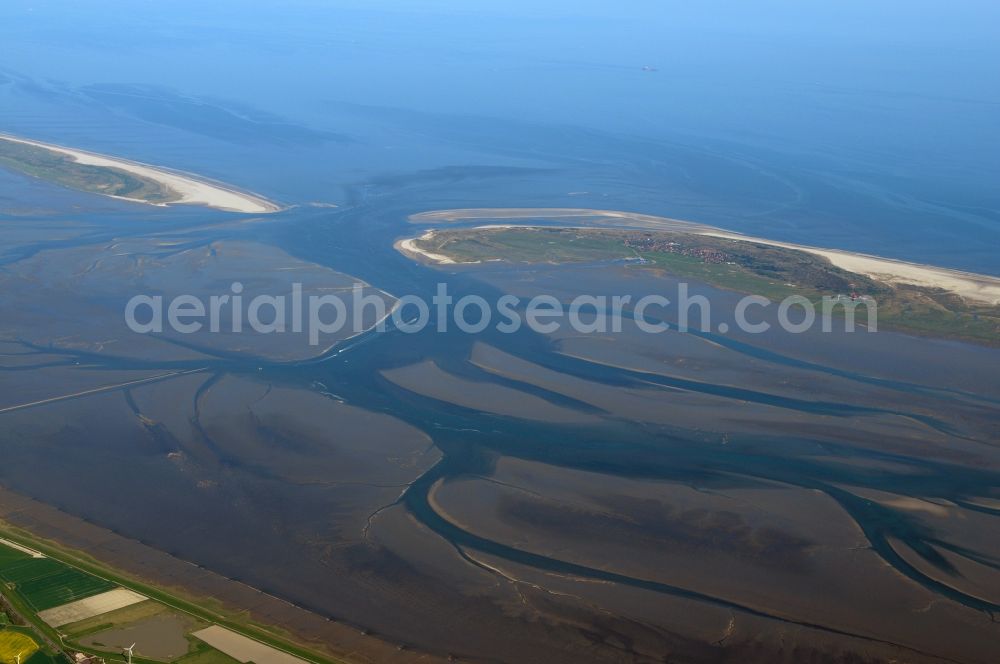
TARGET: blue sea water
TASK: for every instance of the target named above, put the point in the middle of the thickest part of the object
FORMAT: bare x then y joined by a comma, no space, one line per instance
871,126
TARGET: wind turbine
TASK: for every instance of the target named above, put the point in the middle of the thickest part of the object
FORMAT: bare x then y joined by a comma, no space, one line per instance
128,651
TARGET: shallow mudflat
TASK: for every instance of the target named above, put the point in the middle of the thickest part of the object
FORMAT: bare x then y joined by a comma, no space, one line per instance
771,498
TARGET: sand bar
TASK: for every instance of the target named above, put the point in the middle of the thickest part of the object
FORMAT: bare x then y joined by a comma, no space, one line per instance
409,248
190,190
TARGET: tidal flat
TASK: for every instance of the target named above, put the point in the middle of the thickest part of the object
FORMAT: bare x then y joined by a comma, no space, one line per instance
563,497
704,495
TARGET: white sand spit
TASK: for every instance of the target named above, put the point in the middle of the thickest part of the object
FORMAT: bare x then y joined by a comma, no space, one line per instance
409,247
191,190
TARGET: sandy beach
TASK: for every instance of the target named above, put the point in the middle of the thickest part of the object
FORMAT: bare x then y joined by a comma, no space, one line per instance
408,247
974,287
191,190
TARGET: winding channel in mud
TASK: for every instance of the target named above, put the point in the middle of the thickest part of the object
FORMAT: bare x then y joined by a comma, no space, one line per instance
471,441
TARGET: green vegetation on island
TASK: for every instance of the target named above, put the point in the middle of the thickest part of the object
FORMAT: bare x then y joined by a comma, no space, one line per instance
738,265
61,169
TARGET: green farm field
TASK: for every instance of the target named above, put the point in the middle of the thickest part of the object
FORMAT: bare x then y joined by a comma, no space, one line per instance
44,583
10,556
